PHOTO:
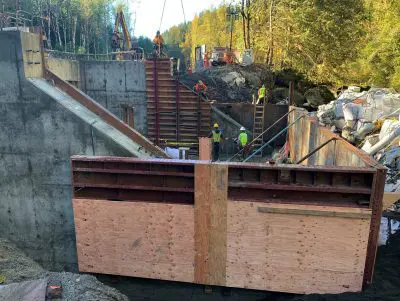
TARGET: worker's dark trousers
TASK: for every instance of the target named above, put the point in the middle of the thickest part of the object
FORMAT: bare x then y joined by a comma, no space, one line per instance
215,151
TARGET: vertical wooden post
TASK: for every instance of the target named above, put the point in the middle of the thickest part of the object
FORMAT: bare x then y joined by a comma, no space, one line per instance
291,93
205,149
376,206
211,203
178,113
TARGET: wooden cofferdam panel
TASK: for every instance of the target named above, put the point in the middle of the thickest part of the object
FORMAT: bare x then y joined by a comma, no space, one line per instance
139,239
296,248
286,228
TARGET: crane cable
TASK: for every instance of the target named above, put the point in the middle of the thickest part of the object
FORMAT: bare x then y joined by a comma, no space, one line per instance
183,10
162,15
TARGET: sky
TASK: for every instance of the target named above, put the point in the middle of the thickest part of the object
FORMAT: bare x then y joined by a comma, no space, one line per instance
148,13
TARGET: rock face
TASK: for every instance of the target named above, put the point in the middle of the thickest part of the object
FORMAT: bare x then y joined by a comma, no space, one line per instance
234,83
282,93
318,96
231,83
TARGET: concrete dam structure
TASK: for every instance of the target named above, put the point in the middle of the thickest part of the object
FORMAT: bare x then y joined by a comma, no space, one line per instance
87,186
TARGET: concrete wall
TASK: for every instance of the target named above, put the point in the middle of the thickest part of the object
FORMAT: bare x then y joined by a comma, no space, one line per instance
243,113
117,83
38,137
67,70
230,129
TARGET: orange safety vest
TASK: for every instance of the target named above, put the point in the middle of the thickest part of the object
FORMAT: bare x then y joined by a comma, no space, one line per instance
199,87
158,40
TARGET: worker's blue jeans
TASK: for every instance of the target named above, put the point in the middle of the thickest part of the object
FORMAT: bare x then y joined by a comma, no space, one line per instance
215,151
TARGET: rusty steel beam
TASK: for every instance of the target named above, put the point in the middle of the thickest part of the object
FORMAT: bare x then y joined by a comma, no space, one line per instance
376,206
178,110
155,76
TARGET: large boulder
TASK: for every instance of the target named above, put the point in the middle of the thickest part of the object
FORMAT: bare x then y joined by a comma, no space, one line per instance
279,94
318,96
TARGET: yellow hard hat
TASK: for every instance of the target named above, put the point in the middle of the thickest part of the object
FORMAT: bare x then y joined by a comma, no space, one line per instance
216,125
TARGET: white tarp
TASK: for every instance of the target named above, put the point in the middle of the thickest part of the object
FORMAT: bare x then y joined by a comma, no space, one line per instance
34,290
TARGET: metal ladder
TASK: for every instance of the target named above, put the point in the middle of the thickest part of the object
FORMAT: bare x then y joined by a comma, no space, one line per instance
258,127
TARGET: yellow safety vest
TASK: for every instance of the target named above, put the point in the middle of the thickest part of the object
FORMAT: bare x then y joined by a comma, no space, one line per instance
216,136
243,139
261,92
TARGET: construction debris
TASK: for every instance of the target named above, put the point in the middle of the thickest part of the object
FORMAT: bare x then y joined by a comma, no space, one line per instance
369,119
24,277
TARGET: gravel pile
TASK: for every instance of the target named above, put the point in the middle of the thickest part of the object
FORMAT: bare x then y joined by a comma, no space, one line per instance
15,267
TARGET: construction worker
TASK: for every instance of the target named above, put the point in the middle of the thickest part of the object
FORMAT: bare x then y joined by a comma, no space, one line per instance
201,89
216,135
243,140
261,95
158,43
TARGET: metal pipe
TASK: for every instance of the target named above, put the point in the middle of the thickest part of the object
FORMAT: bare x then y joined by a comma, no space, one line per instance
273,139
315,150
263,133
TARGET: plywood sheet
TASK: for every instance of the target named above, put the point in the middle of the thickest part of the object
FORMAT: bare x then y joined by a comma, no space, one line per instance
389,198
149,240
295,253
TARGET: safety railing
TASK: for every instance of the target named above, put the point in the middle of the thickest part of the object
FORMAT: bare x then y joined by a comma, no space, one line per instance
15,20
120,55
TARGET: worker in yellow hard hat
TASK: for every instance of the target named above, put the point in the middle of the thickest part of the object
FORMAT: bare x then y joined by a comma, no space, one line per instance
216,135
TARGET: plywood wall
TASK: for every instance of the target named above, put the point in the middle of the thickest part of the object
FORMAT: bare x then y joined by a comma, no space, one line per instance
306,135
135,239
261,244
307,250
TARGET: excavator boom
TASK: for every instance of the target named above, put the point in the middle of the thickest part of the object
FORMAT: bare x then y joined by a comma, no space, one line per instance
120,22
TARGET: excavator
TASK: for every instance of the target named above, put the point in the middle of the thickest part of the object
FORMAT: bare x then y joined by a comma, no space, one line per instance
122,44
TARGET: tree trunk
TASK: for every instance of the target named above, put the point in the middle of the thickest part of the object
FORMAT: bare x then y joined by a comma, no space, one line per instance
248,17
271,35
58,33
244,26
65,35
74,23
48,28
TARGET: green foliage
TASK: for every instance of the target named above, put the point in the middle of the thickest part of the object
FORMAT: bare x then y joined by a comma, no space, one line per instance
74,25
146,44
329,41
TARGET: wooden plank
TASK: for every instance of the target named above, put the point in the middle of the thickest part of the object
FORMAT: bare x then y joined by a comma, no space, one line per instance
295,253
205,148
378,187
218,224
202,208
360,214
389,198
135,239
211,196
